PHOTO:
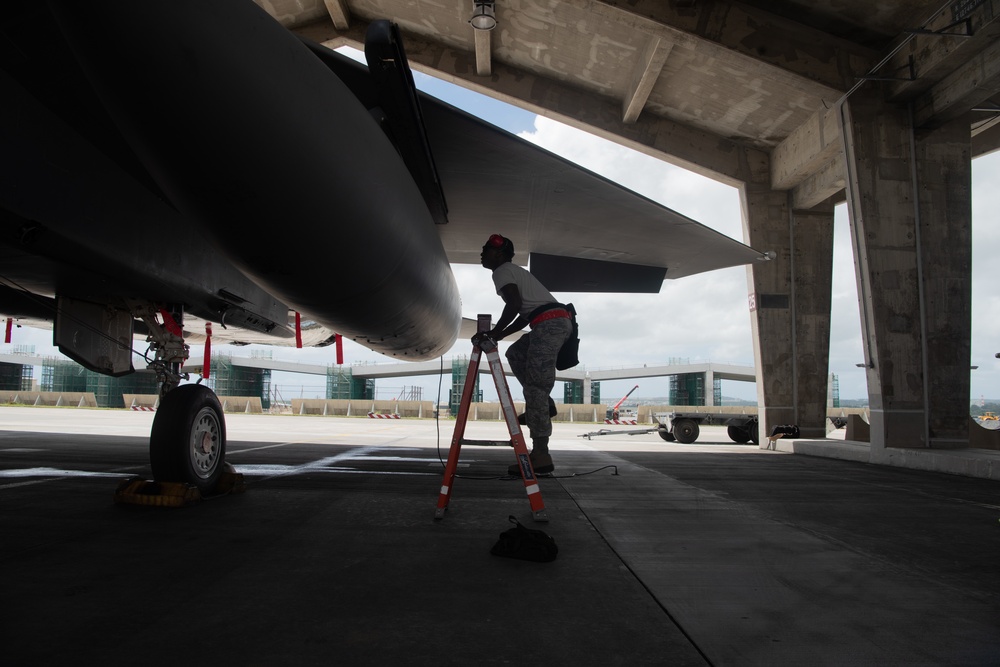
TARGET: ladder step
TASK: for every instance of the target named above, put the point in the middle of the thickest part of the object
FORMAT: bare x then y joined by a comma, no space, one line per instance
489,443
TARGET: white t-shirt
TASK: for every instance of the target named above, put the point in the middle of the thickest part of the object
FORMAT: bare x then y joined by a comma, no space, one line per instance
533,292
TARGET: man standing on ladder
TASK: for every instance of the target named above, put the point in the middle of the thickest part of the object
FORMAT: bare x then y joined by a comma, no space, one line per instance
533,357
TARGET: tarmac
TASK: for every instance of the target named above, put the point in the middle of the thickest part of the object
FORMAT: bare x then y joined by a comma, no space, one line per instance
705,554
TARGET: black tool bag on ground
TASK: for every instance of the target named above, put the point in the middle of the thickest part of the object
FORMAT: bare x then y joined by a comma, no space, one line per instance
525,544
569,353
789,430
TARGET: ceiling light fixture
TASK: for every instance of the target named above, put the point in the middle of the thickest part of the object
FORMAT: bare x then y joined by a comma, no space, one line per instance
484,15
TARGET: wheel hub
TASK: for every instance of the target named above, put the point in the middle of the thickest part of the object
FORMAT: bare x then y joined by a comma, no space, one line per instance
205,443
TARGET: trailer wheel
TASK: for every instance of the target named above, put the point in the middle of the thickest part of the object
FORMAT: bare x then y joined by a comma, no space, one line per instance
738,434
665,433
686,431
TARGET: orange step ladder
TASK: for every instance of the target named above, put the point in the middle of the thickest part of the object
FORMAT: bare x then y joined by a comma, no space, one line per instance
510,416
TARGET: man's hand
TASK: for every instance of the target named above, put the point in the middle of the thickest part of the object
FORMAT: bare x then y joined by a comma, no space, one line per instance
493,334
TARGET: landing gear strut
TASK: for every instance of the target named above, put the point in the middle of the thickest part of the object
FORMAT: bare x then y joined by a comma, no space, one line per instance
188,440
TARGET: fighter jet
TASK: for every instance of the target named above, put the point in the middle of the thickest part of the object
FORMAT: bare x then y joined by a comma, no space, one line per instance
167,166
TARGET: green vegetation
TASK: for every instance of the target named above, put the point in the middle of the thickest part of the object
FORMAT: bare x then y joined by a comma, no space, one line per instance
977,410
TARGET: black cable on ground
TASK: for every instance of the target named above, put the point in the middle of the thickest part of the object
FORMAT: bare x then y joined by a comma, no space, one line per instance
508,477
549,475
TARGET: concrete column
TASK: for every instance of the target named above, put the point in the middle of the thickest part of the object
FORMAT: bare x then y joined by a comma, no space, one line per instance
812,286
766,228
909,197
710,387
790,309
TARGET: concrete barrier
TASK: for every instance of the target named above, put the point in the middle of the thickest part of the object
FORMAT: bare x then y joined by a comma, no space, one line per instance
141,401
75,399
418,409
250,405
321,406
858,429
589,413
339,407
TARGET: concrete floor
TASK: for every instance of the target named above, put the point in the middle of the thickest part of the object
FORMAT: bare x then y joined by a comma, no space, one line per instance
704,554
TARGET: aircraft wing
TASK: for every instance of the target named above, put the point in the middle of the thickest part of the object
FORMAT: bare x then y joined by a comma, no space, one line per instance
583,232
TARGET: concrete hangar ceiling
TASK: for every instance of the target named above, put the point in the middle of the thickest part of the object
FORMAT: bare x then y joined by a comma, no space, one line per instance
716,87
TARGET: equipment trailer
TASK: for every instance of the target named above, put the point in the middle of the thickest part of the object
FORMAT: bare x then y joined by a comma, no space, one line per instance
684,427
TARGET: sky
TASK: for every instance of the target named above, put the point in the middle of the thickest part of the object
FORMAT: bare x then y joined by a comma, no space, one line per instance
698,318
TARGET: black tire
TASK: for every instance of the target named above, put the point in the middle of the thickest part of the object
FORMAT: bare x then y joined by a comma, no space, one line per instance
738,434
664,433
686,431
754,428
188,440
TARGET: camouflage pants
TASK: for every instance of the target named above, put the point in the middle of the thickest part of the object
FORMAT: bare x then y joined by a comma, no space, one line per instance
533,360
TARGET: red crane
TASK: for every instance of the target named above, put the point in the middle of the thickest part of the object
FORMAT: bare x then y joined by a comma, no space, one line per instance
613,411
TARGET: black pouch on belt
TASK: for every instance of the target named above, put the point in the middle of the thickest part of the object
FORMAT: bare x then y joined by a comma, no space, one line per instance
569,353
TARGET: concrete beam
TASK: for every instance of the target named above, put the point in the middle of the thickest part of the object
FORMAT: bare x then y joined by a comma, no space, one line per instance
646,72
810,146
806,153
693,149
783,50
933,54
974,82
484,60
826,183
339,13
986,137
328,34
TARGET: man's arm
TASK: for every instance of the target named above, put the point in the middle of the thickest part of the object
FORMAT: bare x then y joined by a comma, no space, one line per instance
510,321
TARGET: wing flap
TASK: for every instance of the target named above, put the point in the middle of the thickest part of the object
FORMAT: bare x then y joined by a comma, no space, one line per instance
574,274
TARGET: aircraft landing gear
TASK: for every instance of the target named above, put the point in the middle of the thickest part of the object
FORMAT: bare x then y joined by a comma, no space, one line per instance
187,442
188,439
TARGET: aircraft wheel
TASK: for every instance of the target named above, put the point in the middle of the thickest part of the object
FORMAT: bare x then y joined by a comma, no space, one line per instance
665,433
754,428
686,431
188,440
738,434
